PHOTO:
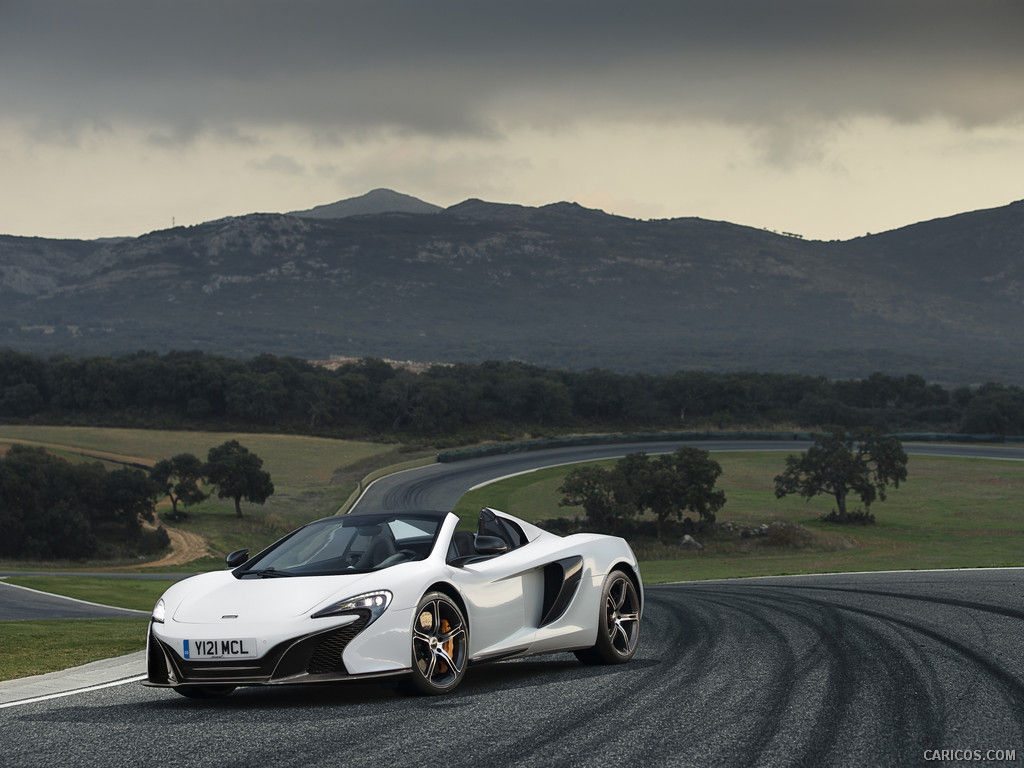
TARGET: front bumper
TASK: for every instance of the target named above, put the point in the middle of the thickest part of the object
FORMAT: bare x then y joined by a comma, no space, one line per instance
316,657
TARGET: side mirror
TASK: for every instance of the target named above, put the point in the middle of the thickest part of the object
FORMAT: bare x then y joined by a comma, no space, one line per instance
490,545
237,557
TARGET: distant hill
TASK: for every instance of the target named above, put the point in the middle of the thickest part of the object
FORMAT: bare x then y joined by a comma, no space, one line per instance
375,201
559,286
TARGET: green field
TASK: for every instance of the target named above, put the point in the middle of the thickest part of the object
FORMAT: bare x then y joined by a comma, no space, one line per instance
951,513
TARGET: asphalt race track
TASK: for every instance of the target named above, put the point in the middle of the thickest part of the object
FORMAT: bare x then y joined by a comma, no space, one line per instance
846,670
884,669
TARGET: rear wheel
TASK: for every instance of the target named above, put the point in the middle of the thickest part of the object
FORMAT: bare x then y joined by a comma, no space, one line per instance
440,645
618,623
205,691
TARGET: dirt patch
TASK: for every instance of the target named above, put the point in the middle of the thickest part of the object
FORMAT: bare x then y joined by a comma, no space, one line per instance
185,547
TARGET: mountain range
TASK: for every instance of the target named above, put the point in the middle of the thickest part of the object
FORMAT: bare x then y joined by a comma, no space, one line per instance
563,286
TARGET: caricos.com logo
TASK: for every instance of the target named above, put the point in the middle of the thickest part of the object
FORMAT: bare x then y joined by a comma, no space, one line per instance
972,755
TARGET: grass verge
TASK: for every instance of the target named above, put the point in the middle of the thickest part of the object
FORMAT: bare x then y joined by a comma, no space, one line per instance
35,647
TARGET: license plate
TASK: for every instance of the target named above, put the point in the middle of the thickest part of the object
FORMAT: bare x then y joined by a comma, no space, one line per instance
219,649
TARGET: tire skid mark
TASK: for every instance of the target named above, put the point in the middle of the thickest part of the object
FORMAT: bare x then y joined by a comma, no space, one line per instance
683,643
868,666
1011,686
783,730
939,693
742,724
788,665
1006,679
998,610
914,702
725,703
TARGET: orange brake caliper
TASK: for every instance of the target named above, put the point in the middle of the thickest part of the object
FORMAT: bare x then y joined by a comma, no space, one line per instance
449,646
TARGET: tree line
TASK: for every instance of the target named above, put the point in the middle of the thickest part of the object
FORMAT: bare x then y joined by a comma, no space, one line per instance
458,403
51,508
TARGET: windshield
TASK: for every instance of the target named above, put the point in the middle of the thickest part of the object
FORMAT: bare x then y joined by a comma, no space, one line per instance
348,544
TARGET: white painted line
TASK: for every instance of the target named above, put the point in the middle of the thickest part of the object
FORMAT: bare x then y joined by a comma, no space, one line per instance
49,696
553,466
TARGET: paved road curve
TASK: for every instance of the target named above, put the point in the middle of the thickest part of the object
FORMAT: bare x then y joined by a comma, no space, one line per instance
845,670
21,603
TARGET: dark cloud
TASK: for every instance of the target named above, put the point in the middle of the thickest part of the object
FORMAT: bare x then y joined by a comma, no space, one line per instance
468,66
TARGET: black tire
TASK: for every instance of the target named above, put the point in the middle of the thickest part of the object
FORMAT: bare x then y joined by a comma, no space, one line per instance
618,623
205,691
440,645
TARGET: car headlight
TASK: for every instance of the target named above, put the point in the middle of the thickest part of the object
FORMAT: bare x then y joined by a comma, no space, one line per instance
159,611
373,602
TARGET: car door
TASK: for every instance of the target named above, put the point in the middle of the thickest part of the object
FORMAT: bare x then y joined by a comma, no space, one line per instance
502,595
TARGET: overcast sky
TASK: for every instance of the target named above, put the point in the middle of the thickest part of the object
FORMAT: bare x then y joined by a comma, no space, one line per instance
827,118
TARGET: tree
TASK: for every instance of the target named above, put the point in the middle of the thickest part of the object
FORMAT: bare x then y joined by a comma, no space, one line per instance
668,486
45,505
675,483
179,478
602,494
238,474
129,497
995,409
839,463
695,474
51,508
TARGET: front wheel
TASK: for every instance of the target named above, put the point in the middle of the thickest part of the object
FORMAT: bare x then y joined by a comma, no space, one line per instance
440,645
618,623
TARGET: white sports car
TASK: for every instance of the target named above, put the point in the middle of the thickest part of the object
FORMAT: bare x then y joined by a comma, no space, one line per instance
396,593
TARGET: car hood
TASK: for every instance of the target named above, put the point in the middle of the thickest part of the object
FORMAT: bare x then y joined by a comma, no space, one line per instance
259,600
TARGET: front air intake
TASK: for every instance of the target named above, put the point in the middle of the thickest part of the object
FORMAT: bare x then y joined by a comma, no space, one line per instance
326,657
